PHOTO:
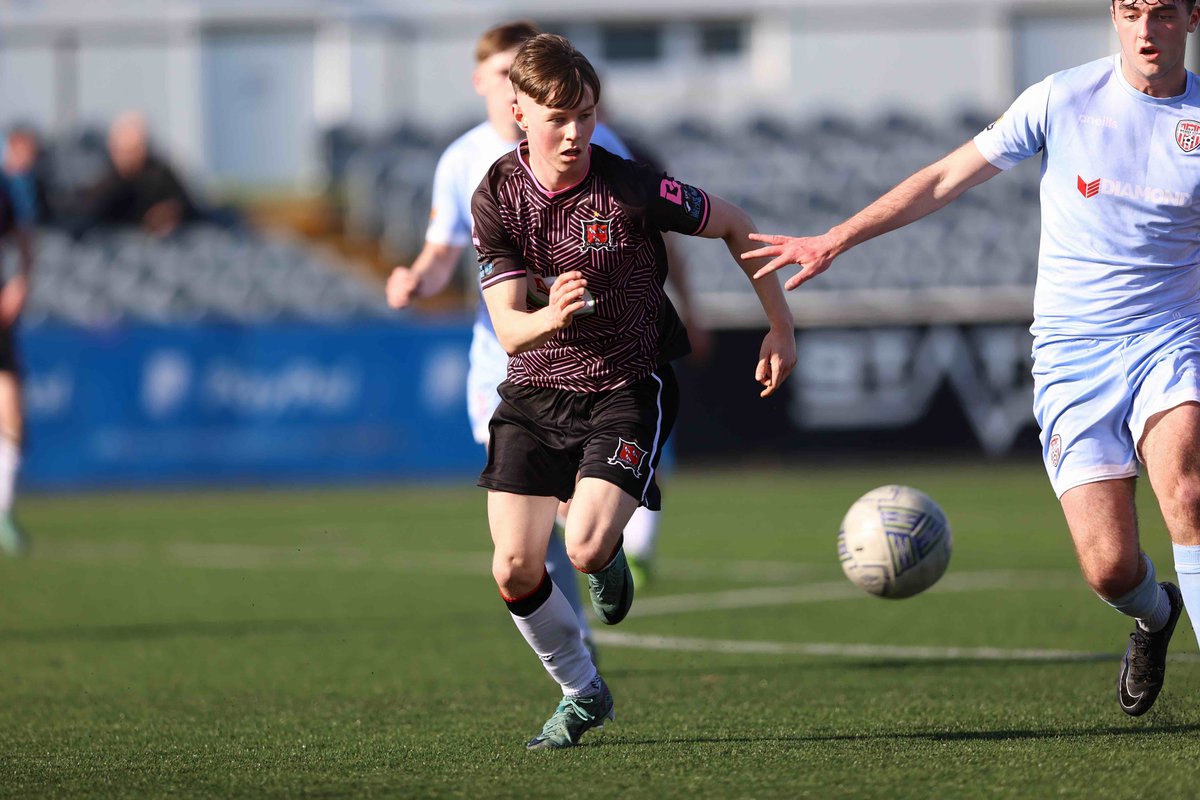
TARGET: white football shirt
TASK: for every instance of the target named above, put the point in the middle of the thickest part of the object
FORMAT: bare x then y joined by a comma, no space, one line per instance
1120,240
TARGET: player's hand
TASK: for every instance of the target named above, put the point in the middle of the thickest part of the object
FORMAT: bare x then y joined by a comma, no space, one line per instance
776,359
12,300
567,296
402,285
812,254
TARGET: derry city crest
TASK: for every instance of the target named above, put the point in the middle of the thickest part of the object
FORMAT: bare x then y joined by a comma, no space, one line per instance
1187,135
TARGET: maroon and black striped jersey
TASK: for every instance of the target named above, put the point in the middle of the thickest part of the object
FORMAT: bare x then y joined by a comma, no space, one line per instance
609,227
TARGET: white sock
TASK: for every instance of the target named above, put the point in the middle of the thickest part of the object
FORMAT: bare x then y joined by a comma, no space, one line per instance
553,633
10,461
1147,602
641,533
1187,567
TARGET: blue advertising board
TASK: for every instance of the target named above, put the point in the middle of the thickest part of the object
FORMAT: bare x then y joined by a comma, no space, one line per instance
139,405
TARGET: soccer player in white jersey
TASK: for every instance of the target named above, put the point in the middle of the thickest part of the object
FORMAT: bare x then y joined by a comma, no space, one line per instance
458,173
1117,305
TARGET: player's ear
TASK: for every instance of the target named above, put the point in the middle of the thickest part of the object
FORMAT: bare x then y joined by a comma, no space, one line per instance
519,117
477,79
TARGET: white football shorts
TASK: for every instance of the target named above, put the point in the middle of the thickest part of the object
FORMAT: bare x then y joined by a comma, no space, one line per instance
1092,398
488,367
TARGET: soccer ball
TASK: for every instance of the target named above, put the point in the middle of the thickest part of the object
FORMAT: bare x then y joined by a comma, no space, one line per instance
894,542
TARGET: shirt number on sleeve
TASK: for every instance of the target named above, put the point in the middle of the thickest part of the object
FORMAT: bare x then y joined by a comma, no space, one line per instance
671,190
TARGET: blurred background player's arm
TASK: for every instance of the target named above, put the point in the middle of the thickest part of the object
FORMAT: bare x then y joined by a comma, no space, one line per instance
699,336
428,275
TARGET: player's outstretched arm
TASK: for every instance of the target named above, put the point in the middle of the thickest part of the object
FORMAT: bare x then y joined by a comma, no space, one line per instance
427,276
917,196
777,356
519,330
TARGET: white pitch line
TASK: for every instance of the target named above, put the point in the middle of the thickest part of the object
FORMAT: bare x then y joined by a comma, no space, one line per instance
735,647
842,590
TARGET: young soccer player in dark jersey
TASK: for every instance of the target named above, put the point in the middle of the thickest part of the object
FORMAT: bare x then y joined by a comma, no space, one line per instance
572,266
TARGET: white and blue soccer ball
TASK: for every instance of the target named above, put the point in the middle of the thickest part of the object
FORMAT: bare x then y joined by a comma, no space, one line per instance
894,542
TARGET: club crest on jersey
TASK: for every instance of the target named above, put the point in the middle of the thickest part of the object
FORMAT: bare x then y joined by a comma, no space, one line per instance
629,456
597,235
1187,135
1055,449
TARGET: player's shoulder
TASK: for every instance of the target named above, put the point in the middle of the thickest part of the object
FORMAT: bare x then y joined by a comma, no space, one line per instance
612,165
464,147
505,169
1085,77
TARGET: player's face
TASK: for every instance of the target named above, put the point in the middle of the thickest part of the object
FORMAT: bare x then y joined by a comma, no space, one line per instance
492,83
1153,35
558,137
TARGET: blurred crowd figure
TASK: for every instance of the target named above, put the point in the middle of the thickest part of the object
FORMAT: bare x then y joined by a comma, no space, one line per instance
78,188
140,188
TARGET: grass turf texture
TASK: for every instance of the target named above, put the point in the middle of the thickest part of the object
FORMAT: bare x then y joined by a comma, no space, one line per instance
351,643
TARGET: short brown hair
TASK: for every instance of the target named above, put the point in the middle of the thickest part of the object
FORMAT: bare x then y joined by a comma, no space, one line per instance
504,37
549,69
1189,3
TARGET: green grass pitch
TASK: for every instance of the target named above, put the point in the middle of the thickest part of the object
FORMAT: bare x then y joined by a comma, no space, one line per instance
351,643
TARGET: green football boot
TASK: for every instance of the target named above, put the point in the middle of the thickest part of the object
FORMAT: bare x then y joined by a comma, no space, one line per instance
12,541
612,590
574,717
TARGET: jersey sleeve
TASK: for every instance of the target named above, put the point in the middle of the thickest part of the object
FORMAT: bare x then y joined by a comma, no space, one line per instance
499,258
450,212
670,205
1020,132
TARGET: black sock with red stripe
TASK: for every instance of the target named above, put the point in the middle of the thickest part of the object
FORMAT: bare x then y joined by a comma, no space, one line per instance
527,604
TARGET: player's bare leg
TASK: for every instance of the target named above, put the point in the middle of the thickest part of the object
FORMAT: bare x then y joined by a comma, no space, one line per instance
1169,448
521,527
598,514
1102,517
12,540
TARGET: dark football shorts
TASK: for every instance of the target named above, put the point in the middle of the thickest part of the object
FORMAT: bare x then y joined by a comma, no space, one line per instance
542,439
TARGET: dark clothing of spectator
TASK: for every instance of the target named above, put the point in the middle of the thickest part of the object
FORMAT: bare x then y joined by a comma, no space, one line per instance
120,200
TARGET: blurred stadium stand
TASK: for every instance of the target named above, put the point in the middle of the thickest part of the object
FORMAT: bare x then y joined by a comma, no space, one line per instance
201,273
793,178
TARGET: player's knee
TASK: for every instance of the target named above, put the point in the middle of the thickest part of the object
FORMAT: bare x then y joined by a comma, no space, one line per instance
591,553
516,577
1183,501
1112,578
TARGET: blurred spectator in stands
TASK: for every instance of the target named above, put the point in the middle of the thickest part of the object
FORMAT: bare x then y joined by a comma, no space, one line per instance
18,218
24,166
141,188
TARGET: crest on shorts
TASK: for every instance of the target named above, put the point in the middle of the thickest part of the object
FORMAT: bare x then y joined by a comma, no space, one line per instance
597,234
1055,449
1187,134
629,456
